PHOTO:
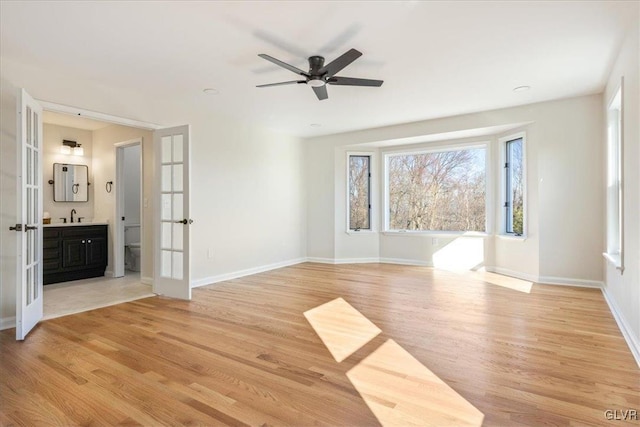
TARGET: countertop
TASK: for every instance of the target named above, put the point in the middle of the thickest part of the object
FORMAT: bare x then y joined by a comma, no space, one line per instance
74,224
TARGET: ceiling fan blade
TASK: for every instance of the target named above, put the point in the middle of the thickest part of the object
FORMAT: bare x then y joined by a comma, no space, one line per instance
351,81
321,92
283,64
283,83
339,63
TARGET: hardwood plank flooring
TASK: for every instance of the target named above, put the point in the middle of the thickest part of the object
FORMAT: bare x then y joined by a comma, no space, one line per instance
446,349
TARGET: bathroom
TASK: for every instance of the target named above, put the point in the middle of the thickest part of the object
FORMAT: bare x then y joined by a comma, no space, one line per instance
114,158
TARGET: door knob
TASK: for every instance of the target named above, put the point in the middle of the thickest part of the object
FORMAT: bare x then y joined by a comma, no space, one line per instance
184,221
30,227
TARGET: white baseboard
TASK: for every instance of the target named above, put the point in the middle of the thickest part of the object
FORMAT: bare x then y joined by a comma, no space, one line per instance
355,260
108,273
627,332
512,273
146,280
320,260
249,271
546,280
369,261
7,323
550,280
403,261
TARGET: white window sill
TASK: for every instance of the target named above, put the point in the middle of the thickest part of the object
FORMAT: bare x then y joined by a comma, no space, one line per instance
444,234
614,259
511,237
362,232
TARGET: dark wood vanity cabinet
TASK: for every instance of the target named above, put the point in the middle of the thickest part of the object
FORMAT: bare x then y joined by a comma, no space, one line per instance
74,252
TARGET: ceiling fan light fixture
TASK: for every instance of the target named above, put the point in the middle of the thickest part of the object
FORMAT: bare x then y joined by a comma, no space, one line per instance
316,82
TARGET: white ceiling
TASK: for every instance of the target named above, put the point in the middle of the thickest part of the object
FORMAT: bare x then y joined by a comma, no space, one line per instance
437,58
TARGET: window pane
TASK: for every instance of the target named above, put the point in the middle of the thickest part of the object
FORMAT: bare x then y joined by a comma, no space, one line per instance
177,177
359,183
166,149
441,191
177,148
515,187
165,264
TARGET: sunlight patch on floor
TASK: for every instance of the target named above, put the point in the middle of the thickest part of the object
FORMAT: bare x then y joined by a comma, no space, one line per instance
401,391
342,328
503,281
397,388
462,254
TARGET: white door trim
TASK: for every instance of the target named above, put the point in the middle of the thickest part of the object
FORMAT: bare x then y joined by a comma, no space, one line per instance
118,225
94,115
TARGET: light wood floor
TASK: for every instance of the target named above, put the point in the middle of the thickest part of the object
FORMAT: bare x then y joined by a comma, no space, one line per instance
415,346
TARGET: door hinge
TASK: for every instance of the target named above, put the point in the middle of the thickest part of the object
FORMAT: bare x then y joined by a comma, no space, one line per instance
506,165
506,205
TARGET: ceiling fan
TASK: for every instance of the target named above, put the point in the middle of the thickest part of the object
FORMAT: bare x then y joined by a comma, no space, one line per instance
320,75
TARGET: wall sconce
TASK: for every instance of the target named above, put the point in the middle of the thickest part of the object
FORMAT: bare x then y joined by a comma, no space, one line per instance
67,145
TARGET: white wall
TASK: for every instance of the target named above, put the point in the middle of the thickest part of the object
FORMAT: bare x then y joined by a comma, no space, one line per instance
52,139
623,290
133,185
563,168
248,198
8,201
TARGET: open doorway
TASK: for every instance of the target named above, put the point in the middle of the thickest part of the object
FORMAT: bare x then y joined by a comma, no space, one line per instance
129,247
101,142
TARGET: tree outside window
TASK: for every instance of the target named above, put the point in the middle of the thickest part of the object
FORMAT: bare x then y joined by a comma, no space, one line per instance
359,192
514,184
438,191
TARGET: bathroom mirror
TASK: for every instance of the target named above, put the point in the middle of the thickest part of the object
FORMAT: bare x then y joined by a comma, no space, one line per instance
70,183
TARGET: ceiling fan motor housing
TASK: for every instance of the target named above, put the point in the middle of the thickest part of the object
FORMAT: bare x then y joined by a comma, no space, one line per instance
315,63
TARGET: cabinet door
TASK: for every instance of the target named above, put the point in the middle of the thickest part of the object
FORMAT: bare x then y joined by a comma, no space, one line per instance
74,253
96,251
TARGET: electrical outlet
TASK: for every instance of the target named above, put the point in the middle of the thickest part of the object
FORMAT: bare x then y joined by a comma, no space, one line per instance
146,202
434,241
210,253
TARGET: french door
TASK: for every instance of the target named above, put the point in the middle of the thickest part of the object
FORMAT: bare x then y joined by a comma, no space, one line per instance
29,302
172,275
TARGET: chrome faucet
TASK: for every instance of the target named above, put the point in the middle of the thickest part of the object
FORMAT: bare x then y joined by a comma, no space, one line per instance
73,211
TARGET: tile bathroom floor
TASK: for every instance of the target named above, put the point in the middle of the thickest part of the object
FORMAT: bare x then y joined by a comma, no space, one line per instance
61,299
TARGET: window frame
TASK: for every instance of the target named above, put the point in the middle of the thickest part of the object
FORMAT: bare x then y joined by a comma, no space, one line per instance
437,147
506,207
615,176
371,157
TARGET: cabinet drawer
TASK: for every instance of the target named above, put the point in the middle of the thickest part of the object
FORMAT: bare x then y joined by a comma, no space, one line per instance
80,231
51,233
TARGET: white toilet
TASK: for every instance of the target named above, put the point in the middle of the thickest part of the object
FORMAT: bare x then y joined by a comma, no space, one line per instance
132,247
